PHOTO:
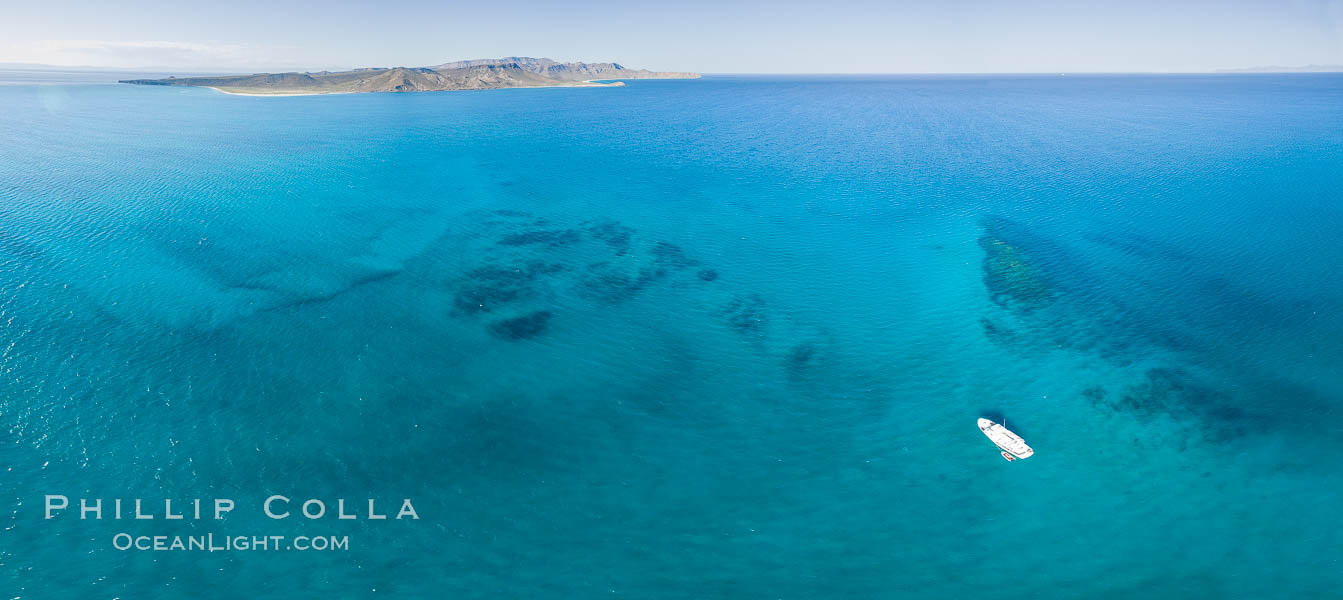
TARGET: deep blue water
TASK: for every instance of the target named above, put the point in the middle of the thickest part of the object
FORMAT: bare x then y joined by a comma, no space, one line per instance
724,338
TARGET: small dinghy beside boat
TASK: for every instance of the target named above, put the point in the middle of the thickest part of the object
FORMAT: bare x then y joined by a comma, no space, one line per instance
1011,444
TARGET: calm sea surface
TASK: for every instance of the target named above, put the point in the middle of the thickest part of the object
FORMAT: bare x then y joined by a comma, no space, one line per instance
724,338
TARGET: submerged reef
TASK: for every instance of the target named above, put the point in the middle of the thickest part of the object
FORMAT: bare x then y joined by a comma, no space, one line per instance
1178,395
1010,273
525,327
1051,296
746,315
489,287
799,358
609,284
612,282
616,236
1145,307
528,259
548,237
997,333
521,271
1176,390
671,257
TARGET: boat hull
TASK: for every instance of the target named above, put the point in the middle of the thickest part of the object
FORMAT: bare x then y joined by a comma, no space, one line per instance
1010,443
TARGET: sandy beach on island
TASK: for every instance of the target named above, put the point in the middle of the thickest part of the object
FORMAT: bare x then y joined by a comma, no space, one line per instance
263,94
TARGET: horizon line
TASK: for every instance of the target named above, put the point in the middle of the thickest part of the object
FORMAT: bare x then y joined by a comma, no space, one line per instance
1260,70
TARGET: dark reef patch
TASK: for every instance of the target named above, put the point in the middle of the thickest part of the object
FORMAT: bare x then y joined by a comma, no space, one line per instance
671,256
504,435
1175,389
1070,297
1179,395
997,333
548,237
1010,273
707,275
616,236
746,314
608,284
609,261
1095,394
525,327
492,286
800,358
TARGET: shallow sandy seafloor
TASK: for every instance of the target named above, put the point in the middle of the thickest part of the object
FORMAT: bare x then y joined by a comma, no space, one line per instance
718,338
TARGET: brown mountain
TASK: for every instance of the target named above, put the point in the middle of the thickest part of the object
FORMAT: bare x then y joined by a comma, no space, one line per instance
572,71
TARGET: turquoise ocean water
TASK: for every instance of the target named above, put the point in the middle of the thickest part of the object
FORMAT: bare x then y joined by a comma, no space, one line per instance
723,338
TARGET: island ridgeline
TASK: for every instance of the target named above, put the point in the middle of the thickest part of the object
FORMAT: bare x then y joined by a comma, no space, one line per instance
480,74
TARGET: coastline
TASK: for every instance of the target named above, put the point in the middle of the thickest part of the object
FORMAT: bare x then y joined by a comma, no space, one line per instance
588,83
264,95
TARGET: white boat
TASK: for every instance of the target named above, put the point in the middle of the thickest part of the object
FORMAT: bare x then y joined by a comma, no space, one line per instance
1011,444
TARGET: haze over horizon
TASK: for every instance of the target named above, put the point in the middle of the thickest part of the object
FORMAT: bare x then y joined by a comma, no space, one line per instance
743,37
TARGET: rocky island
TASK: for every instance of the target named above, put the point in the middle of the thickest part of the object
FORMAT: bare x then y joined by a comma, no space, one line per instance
481,74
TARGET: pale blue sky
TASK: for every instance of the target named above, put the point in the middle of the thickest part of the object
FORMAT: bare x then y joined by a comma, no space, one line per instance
840,36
